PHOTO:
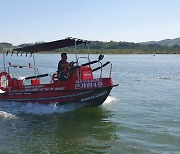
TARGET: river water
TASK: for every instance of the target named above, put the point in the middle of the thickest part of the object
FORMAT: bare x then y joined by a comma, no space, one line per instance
141,115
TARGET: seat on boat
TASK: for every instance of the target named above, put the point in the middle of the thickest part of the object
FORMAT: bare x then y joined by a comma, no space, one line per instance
35,82
16,83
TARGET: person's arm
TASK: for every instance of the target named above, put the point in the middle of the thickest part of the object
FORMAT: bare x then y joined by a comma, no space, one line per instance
71,64
59,67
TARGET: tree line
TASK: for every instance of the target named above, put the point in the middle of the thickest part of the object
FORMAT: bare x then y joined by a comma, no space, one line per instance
113,47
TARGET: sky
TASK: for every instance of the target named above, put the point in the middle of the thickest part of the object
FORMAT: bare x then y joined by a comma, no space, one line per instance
29,21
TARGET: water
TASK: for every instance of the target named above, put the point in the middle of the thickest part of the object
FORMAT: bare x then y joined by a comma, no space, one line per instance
142,114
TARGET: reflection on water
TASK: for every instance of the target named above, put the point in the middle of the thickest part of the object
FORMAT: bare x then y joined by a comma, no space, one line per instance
140,116
82,130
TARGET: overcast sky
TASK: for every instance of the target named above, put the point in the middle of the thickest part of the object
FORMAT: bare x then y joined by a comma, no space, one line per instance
27,21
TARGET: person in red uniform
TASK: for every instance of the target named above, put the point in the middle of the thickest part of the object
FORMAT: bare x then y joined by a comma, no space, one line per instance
63,67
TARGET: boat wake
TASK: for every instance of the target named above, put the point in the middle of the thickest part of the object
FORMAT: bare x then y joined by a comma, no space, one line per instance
40,109
10,109
110,99
6,115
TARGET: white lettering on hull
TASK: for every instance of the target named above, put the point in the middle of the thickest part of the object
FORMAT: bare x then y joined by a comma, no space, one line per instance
83,84
93,97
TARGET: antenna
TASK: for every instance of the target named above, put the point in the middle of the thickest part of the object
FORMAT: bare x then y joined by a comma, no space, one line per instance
4,61
76,51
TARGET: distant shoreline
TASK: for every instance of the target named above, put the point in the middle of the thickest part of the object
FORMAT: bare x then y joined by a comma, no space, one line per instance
106,51
113,47
102,52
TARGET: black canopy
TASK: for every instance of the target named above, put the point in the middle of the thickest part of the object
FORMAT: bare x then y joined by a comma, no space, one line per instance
47,46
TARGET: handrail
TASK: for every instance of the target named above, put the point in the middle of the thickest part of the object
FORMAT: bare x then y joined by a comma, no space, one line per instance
110,70
23,66
82,58
90,63
20,66
97,68
103,65
38,76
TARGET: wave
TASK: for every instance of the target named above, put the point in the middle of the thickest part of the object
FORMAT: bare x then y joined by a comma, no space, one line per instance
7,115
11,109
167,78
110,99
47,109
15,108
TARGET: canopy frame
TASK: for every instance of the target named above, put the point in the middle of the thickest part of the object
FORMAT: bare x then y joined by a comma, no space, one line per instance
48,46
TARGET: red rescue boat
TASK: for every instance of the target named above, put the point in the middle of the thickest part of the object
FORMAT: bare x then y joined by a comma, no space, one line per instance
80,87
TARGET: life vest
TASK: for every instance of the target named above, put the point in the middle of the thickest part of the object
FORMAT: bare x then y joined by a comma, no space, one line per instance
5,81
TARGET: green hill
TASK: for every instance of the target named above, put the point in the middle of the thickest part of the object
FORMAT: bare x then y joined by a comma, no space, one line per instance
166,42
5,45
168,46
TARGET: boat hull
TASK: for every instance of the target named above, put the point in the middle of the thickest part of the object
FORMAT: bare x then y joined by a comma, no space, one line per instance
87,93
90,97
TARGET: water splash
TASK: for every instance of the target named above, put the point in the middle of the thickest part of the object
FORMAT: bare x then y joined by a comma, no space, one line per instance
10,109
110,99
47,109
7,115
15,108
